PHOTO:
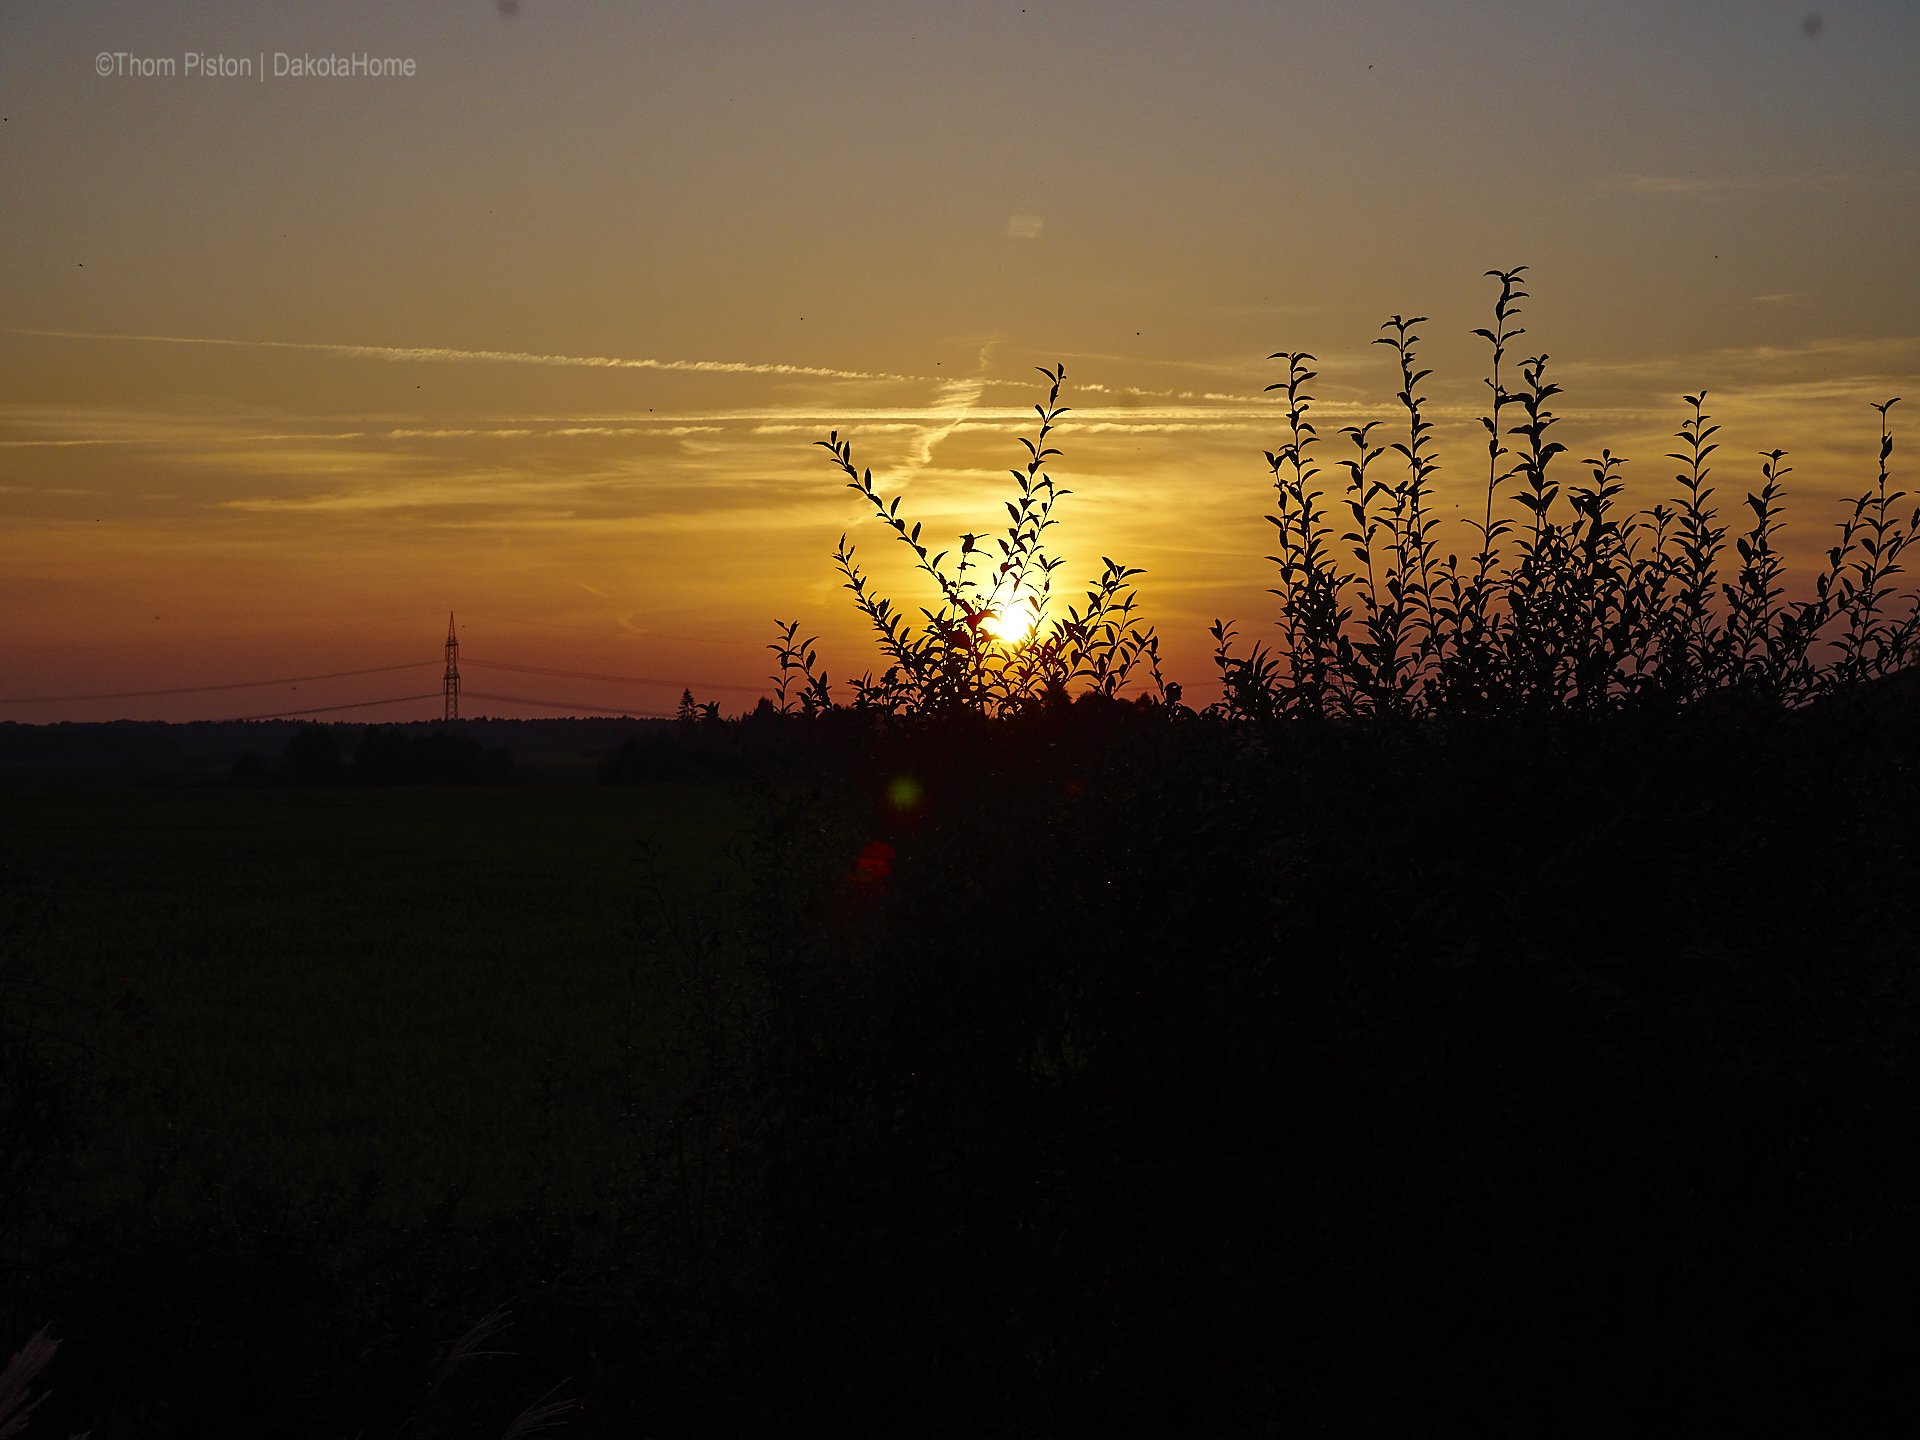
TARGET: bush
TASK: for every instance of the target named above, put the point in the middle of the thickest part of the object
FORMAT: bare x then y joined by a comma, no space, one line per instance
1572,604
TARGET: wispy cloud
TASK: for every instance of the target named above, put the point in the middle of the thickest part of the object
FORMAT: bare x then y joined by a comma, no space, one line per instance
958,401
947,387
402,354
1024,227
1108,427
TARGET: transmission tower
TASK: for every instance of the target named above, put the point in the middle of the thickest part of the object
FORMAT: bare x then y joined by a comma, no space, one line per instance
453,671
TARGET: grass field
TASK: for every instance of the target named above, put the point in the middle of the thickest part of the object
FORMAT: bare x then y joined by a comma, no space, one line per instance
433,987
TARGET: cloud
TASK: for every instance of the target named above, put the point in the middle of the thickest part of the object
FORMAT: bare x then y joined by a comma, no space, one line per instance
948,388
1105,427
1024,227
400,354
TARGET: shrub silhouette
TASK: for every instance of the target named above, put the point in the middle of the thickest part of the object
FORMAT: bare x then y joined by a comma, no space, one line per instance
958,660
1569,605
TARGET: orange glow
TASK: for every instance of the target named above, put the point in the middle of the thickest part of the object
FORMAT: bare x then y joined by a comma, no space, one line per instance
289,370
1013,626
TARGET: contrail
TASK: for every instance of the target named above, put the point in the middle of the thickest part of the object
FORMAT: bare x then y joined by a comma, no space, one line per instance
403,354
415,354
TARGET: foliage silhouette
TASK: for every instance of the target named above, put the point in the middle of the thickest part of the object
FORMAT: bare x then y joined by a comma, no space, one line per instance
1569,606
1497,1014
958,660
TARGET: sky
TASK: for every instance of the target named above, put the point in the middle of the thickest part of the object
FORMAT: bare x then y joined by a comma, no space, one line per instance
542,333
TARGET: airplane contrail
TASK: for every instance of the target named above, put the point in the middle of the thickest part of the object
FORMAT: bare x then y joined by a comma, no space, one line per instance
403,354
416,353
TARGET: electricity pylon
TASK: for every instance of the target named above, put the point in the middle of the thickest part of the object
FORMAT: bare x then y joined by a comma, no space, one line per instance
453,671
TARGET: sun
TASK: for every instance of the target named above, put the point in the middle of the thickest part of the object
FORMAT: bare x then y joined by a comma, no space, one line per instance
1013,626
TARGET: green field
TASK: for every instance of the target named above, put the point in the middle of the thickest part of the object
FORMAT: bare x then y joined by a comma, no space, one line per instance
432,987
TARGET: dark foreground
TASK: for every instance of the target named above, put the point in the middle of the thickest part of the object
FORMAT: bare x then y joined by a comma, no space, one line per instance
1101,1071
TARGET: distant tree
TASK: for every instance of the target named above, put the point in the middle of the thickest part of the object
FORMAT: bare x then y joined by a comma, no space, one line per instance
688,712
312,757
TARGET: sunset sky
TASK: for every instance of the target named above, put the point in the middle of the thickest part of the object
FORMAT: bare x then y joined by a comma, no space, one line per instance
291,367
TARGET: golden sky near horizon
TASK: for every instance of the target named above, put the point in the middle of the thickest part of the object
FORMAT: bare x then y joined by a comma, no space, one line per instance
291,366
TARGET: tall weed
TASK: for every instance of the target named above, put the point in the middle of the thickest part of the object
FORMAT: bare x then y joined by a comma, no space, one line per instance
991,646
1569,604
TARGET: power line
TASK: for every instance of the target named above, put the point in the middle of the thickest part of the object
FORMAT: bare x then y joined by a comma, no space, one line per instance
649,633
478,695
402,699
204,689
374,670
325,709
569,705
619,679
